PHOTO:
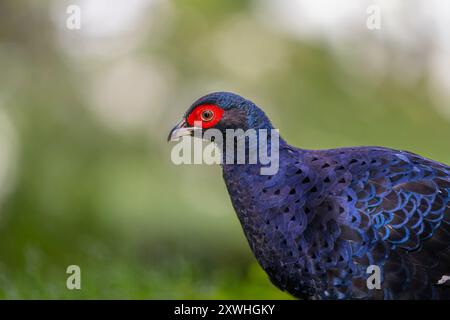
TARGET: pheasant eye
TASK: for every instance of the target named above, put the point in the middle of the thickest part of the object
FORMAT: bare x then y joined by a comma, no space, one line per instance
207,115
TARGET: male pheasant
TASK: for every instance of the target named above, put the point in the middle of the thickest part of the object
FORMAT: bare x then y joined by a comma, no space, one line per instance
327,215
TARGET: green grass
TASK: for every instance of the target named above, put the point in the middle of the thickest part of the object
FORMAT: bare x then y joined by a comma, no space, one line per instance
112,278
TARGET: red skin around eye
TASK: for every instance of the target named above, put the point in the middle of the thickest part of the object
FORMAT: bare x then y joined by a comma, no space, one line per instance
196,115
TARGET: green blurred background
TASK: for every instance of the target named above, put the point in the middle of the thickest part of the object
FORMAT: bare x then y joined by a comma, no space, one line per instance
85,170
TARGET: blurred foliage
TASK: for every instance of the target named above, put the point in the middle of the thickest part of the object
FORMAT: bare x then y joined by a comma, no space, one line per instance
110,200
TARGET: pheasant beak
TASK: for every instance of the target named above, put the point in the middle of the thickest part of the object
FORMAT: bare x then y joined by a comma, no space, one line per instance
180,130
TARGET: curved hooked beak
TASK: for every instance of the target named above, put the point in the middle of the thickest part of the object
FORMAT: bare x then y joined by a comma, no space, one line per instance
180,130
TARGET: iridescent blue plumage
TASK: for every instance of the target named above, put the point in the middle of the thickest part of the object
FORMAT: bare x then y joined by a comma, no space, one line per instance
327,215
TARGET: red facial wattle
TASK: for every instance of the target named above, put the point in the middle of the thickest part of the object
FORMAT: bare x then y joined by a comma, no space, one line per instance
207,115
